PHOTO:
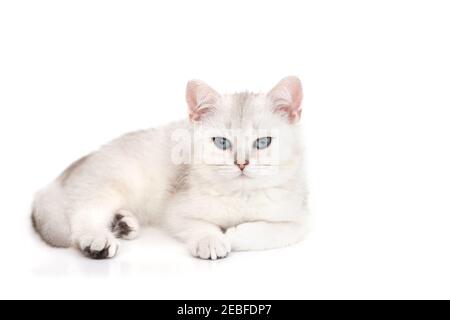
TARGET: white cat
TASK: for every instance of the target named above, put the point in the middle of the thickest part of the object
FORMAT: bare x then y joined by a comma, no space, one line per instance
229,178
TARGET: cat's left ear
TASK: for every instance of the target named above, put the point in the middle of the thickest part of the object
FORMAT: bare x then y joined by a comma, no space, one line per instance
201,99
286,98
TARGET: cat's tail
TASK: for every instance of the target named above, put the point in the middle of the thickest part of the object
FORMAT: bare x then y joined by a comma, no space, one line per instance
49,219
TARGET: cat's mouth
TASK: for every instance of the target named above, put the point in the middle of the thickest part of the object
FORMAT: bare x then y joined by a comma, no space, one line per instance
243,176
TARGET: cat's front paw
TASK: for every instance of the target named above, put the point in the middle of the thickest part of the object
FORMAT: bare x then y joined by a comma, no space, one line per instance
211,247
98,247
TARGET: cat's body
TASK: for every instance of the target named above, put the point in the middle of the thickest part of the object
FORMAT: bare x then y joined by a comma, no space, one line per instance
223,200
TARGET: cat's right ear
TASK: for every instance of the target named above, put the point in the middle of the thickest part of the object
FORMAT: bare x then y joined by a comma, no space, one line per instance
200,98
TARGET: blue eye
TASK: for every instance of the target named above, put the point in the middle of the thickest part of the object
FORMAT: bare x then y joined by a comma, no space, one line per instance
262,143
222,143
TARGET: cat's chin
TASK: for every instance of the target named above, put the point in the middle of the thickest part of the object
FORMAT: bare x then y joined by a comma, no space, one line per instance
243,176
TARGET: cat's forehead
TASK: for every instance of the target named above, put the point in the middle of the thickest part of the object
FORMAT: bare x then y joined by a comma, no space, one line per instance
245,110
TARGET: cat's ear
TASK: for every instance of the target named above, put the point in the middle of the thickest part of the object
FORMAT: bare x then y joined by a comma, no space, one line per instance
286,98
200,98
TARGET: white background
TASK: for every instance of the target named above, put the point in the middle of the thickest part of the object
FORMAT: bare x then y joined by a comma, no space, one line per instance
376,75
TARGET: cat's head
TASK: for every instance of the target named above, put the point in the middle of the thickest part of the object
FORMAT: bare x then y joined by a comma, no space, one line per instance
246,139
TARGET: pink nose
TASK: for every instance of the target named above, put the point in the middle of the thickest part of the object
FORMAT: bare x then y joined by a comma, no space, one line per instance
241,165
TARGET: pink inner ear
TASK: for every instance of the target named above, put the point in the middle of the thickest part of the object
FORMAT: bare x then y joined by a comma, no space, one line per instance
200,99
196,116
287,97
293,114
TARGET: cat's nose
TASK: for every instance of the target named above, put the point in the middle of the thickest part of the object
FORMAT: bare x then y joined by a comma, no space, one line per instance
241,165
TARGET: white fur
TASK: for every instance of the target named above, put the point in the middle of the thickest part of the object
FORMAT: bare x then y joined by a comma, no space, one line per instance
211,207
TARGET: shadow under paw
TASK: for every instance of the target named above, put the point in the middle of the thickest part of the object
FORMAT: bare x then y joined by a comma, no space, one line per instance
96,254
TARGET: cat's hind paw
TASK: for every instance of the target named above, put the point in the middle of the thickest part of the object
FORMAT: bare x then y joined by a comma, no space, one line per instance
98,247
125,225
211,247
